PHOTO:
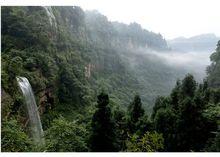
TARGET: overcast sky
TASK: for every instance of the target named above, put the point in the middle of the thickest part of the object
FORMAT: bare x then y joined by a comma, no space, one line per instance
172,18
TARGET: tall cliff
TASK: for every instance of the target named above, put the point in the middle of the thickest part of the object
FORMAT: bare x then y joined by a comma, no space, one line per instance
70,55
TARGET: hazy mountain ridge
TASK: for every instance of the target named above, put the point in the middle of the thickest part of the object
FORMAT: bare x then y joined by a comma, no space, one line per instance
120,35
203,42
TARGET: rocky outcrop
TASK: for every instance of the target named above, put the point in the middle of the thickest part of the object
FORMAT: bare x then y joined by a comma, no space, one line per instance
46,100
6,101
88,69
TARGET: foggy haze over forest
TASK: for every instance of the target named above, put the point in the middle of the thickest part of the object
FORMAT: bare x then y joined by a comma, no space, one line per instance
193,57
191,62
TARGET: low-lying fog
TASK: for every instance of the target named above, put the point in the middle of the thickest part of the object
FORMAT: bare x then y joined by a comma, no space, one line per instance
193,62
185,62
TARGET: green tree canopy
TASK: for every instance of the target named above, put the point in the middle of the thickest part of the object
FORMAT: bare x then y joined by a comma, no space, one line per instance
14,139
65,136
103,136
149,142
214,69
135,112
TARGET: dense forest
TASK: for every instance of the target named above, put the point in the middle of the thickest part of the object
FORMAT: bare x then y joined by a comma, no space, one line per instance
96,91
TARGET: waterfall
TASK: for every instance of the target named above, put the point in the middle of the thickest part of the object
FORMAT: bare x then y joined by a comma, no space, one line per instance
32,110
50,15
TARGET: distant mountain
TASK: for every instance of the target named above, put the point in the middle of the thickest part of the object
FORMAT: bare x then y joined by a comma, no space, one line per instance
203,42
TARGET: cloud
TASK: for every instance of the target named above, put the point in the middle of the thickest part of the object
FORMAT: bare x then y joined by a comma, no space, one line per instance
192,62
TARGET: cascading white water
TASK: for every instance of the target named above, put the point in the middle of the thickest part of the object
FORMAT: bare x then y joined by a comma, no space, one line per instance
33,114
50,15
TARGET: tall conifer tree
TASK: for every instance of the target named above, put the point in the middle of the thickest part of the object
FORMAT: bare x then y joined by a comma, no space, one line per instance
103,138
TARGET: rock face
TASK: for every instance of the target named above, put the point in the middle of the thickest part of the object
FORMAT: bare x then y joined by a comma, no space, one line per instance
88,69
46,100
6,101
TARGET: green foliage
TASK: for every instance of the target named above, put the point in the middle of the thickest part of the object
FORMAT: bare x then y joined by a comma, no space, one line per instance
14,139
68,86
144,125
14,67
135,112
103,136
188,86
55,55
213,145
160,102
212,114
192,136
121,127
77,53
149,142
165,123
174,96
188,105
114,34
65,136
213,70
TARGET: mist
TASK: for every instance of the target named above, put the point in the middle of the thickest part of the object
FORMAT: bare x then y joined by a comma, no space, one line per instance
193,62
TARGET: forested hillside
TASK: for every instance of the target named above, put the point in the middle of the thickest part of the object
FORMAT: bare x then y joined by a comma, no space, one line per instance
48,41
89,74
